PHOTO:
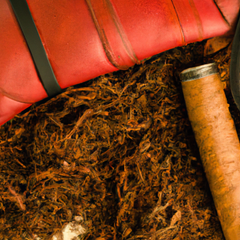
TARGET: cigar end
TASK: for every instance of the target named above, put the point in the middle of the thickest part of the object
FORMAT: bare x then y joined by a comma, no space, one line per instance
198,72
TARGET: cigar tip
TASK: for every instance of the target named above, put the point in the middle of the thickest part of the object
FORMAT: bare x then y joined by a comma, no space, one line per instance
198,72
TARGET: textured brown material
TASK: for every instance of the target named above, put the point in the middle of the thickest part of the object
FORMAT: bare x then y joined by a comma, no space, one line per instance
218,145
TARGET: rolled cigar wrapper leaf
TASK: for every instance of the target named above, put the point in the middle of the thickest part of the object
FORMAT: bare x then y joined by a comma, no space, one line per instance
217,140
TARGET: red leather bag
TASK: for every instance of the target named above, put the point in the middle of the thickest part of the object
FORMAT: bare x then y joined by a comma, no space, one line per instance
87,38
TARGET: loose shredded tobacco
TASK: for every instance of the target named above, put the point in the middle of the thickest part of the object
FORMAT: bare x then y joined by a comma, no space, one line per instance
118,153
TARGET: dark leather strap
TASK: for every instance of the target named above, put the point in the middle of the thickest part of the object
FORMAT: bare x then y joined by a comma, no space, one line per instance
35,46
235,66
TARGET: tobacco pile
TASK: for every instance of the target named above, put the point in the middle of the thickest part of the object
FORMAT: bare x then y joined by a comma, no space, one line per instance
118,151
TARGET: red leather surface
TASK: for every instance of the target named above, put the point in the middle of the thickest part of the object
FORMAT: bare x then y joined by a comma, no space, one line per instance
87,38
9,108
229,10
18,77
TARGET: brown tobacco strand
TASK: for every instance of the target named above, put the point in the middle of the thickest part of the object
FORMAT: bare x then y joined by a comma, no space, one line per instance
219,147
18,197
86,114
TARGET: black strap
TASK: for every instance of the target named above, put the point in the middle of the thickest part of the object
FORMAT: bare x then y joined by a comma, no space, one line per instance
235,66
35,46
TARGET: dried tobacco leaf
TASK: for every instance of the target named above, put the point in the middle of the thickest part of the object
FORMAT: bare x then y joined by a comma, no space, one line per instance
119,152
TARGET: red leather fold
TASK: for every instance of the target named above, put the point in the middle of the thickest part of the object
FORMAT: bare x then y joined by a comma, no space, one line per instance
87,38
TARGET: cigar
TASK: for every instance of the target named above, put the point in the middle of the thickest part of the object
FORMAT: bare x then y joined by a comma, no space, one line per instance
217,141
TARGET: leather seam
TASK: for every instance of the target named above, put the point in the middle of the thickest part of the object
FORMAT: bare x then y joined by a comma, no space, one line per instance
104,39
118,26
179,22
224,18
13,98
197,18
